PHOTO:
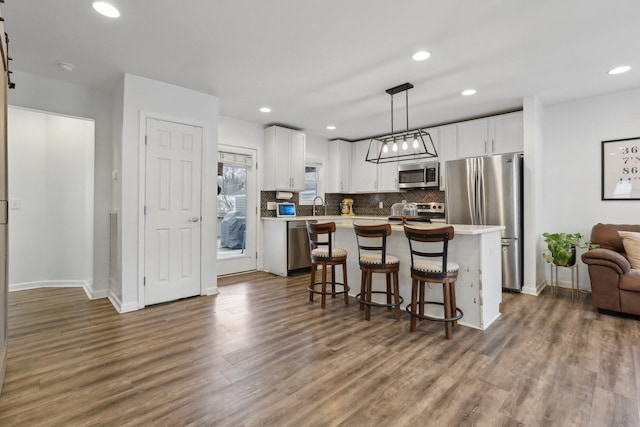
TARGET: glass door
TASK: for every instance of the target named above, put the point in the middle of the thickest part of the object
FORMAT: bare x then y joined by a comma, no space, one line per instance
236,210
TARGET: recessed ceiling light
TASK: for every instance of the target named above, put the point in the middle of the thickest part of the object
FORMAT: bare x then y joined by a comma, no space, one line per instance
620,70
265,110
469,92
331,127
65,66
421,56
106,9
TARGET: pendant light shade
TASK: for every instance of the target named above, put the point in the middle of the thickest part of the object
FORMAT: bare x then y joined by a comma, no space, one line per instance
422,146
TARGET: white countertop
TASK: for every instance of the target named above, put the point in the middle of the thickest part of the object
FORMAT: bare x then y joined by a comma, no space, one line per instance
347,221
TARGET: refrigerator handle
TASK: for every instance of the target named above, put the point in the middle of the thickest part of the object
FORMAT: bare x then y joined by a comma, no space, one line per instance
472,185
479,193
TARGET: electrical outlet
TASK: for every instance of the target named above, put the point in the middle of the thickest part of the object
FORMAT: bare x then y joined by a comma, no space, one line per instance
271,206
381,205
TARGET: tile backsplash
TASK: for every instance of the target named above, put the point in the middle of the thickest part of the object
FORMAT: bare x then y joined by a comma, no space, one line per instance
363,203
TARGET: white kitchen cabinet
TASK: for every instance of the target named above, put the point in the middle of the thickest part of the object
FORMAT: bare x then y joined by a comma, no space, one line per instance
492,135
388,176
472,138
274,251
339,168
284,159
447,146
364,174
507,133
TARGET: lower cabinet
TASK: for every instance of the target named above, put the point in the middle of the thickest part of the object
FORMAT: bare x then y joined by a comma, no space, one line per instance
274,247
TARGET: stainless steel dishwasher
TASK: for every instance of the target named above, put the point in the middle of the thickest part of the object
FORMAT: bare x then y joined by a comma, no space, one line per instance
297,246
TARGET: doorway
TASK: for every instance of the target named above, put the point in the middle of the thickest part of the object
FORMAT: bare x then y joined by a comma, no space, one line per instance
51,199
236,210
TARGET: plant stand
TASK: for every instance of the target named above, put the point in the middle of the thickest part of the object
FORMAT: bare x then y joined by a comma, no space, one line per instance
575,280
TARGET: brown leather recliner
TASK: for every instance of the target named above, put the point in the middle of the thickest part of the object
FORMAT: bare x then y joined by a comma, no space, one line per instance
614,285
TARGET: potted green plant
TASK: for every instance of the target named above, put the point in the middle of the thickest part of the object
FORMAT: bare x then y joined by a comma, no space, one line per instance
562,247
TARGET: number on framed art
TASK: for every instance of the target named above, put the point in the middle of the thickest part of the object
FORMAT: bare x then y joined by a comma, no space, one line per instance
621,169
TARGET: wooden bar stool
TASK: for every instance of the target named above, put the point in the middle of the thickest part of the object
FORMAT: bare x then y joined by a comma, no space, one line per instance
323,253
429,264
373,258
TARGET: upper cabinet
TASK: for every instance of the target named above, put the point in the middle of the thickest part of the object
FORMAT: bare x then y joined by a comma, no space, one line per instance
507,133
365,174
339,172
491,135
447,144
284,158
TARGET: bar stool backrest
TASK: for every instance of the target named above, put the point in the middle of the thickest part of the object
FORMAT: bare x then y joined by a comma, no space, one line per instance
372,239
320,234
417,245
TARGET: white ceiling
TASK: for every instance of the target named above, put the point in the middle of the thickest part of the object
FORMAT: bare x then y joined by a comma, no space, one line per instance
325,62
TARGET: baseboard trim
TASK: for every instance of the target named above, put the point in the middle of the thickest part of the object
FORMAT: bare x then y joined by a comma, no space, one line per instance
51,284
121,308
530,290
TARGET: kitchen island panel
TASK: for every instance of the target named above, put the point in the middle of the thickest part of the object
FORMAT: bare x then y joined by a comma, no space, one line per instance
479,284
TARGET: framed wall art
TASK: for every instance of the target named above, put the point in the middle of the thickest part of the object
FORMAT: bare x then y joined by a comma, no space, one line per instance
621,169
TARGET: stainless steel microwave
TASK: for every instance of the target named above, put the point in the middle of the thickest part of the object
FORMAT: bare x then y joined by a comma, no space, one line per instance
418,175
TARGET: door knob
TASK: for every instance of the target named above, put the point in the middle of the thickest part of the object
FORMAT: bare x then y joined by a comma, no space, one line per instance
194,219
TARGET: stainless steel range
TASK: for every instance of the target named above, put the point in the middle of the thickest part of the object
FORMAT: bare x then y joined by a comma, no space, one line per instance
431,212
418,212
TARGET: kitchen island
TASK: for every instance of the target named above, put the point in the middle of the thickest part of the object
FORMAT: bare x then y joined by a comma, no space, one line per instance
477,249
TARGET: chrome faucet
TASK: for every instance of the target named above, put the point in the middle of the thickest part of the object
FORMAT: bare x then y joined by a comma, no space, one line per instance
322,204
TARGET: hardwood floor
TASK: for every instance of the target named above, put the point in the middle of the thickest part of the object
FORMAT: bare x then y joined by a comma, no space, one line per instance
260,354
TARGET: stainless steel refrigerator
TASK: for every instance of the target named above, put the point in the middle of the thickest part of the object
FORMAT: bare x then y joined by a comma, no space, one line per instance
487,190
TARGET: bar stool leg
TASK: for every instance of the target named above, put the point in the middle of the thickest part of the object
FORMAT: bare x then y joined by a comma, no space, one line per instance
344,280
333,281
367,307
448,326
414,304
312,281
363,288
324,286
388,277
396,292
421,299
453,302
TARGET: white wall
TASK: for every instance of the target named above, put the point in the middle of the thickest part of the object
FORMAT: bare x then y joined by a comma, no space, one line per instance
68,99
317,149
533,196
572,135
51,178
240,133
141,96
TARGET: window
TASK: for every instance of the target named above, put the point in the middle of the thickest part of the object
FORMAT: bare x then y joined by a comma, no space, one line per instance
311,180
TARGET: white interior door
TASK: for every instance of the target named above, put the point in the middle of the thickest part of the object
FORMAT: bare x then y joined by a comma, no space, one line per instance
237,210
172,206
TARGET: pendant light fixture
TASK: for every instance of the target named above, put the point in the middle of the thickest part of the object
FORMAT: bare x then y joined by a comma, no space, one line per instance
407,145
